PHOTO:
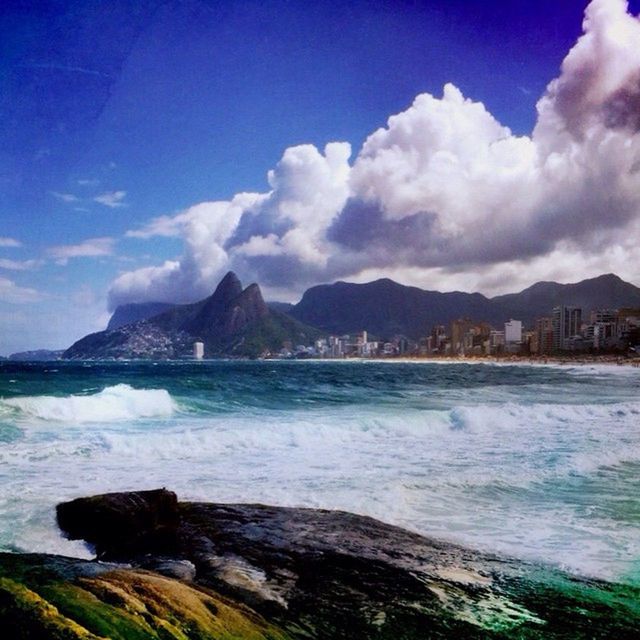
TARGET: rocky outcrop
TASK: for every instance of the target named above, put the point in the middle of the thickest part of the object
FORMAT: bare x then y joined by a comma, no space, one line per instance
305,573
121,525
230,322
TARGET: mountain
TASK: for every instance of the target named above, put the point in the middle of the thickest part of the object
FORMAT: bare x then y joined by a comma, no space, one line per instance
237,321
385,308
130,313
232,321
604,292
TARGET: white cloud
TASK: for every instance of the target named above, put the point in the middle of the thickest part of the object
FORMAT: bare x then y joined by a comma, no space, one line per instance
441,190
162,226
205,228
65,197
91,248
14,294
19,265
113,199
9,242
287,224
309,190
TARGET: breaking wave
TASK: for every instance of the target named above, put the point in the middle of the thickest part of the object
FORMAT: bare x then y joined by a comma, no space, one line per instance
113,404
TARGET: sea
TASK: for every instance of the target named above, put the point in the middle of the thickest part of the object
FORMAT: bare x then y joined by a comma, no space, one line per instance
537,462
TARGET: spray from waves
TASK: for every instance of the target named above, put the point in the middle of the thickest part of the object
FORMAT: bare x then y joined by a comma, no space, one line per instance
112,404
513,417
507,443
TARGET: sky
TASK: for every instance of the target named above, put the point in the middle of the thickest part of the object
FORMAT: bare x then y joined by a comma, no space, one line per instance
147,148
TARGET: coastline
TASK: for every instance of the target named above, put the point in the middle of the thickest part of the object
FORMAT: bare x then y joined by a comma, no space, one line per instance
609,360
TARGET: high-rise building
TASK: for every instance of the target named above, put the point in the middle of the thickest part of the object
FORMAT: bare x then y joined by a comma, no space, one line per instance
198,350
605,335
604,315
458,330
567,322
439,338
513,332
544,336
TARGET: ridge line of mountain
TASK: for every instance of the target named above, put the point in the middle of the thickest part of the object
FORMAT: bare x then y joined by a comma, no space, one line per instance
237,322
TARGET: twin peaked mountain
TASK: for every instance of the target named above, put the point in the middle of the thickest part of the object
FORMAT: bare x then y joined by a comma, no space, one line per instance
237,322
232,321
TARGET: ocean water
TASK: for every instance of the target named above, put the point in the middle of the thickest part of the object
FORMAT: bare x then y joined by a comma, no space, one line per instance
538,462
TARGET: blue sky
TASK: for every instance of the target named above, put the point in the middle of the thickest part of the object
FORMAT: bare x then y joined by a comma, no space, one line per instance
116,114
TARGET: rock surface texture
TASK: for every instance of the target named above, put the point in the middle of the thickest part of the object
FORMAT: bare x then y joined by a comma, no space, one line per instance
197,570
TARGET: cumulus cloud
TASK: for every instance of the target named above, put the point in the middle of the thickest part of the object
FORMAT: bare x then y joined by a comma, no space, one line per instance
205,227
14,294
112,199
441,189
91,248
9,242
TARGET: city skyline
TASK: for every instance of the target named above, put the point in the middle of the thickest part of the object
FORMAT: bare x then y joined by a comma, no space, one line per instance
147,151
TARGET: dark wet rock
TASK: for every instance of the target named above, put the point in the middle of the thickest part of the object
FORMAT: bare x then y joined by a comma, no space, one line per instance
122,525
328,574
183,570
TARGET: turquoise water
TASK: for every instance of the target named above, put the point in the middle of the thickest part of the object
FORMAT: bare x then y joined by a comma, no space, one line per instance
538,462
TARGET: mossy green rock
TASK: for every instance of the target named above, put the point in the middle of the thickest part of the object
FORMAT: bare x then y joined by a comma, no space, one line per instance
51,597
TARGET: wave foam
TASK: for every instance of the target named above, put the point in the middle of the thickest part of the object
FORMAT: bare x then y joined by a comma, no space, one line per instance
112,404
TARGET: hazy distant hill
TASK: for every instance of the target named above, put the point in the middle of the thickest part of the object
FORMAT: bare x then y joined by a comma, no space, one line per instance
232,321
130,313
386,308
36,355
604,292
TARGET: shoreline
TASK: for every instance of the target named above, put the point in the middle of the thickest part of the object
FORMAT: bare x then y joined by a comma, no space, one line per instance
608,360
551,360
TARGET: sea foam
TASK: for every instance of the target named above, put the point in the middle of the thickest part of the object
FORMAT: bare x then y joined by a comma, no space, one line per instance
113,404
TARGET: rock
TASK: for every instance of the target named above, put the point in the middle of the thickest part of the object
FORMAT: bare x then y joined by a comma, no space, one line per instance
329,574
123,525
183,570
51,598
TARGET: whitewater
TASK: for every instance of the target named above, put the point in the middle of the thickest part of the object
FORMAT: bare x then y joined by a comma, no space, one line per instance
537,462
